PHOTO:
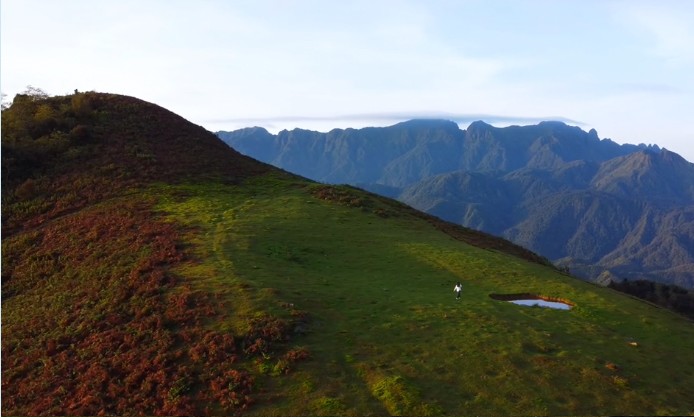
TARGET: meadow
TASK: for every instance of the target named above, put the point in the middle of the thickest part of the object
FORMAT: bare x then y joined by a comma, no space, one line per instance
369,288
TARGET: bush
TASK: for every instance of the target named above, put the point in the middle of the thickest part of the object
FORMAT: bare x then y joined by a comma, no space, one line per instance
26,190
672,297
80,134
81,105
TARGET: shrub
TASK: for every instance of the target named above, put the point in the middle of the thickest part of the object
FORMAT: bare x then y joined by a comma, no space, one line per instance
81,105
264,332
80,133
26,190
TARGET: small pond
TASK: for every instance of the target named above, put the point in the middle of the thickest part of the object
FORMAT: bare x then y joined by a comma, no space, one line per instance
532,300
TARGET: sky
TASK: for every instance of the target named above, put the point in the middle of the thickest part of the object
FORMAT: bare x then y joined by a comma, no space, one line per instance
622,67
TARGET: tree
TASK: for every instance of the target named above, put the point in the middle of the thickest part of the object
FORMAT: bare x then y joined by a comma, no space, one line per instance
81,105
35,93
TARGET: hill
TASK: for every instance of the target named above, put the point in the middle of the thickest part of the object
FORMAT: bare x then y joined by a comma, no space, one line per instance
605,211
148,269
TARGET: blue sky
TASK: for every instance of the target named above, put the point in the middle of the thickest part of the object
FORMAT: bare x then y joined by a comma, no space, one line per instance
623,67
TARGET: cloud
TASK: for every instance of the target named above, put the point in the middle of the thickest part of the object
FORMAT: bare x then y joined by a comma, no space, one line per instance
378,119
667,24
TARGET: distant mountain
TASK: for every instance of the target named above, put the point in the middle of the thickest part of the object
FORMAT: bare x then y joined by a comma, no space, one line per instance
604,210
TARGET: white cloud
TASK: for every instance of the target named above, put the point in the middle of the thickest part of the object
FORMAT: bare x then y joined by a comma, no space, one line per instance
667,24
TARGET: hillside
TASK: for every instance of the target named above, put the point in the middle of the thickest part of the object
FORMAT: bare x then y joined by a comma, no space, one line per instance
148,269
605,211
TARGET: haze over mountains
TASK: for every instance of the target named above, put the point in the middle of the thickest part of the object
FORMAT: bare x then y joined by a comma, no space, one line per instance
606,211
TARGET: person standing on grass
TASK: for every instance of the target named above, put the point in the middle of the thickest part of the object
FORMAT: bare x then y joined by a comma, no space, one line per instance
458,288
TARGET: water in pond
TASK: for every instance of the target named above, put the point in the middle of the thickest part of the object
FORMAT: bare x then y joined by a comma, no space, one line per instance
527,299
542,303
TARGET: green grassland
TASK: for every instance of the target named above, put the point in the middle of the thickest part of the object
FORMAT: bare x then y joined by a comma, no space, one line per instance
373,286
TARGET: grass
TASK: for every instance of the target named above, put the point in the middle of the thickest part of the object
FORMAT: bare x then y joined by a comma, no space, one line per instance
386,335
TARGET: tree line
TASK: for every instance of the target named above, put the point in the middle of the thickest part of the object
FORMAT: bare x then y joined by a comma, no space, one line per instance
672,297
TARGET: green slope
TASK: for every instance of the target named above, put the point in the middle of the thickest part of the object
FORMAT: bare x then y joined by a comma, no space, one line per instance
147,270
384,331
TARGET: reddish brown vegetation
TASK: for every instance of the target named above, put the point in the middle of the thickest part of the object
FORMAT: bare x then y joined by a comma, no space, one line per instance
350,197
341,195
94,322
129,338
264,332
80,149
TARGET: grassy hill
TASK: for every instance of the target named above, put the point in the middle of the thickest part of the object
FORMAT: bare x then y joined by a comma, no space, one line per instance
192,280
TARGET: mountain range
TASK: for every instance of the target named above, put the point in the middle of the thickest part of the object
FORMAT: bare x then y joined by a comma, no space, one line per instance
606,211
